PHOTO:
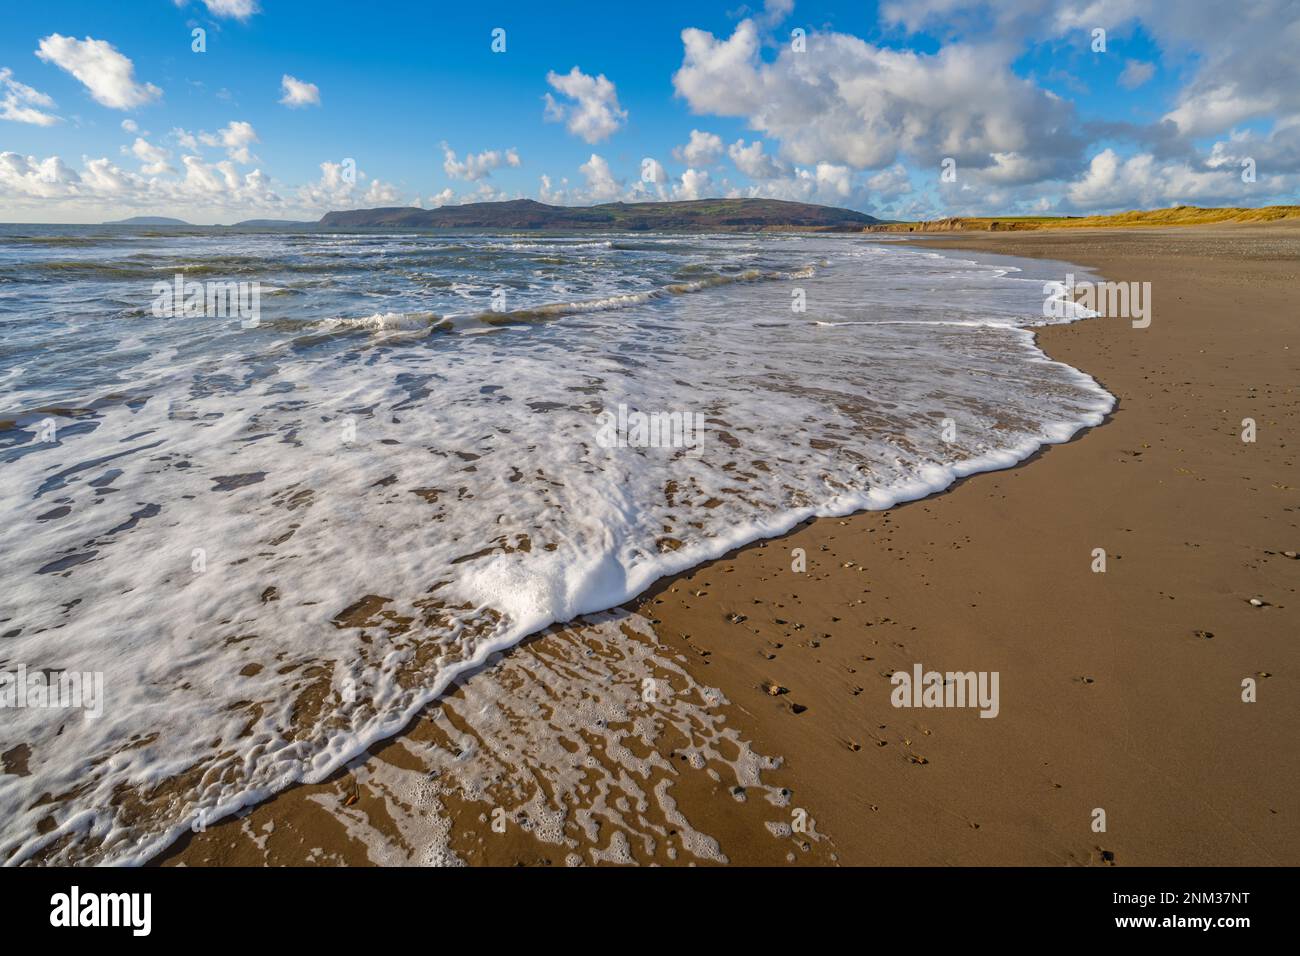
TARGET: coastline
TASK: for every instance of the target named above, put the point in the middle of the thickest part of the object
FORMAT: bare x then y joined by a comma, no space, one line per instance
1109,698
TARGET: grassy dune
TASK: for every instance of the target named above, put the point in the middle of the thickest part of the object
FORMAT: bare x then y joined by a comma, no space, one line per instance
1175,216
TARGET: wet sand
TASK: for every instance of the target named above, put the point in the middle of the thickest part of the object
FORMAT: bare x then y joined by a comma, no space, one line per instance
1119,691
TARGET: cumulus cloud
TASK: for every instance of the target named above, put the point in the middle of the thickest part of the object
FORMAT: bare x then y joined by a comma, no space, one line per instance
1277,152
19,102
335,188
477,166
695,184
601,184
702,150
26,177
106,73
1244,64
234,9
891,182
236,138
774,11
99,183
297,93
825,183
340,187
888,110
153,159
753,161
593,113
184,138
239,9
1115,182
548,192
864,106
130,126
217,188
380,193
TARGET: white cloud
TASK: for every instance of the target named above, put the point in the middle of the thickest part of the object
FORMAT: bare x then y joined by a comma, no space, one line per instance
594,114
486,192
153,159
26,177
829,179
702,150
236,9
549,192
1142,181
695,184
1277,152
1218,107
824,183
477,166
239,9
18,102
184,138
298,93
601,184
890,182
339,187
130,126
215,191
865,106
380,193
236,138
27,181
1245,65
774,11
752,161
335,188
106,73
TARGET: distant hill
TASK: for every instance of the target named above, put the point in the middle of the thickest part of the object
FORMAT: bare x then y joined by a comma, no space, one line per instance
272,223
1174,216
148,221
701,215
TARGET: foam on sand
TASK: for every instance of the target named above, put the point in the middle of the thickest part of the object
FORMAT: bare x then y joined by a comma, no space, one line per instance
279,545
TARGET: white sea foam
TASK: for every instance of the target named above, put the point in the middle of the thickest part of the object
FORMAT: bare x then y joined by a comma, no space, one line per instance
278,546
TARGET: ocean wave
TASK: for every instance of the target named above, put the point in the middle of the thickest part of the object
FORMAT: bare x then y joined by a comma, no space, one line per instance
412,321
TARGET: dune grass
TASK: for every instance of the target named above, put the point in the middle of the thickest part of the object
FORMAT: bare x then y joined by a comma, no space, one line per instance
1174,216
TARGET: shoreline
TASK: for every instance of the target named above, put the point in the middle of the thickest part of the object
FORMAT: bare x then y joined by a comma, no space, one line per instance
828,742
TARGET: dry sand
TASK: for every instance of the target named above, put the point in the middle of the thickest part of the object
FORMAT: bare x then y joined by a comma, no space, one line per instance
1119,690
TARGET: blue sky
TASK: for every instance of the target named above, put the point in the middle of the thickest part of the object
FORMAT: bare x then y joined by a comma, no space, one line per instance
106,110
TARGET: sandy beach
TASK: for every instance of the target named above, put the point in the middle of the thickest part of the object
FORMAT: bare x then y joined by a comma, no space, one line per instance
767,735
